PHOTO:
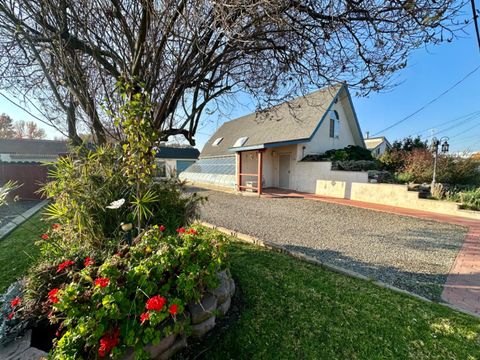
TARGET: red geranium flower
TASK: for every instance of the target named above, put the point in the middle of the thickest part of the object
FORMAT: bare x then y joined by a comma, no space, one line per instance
57,333
192,232
181,230
88,261
55,226
52,296
45,236
144,317
11,315
173,309
102,282
162,228
108,342
64,265
15,302
155,303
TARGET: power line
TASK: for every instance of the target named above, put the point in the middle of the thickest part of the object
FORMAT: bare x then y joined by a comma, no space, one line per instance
463,119
429,103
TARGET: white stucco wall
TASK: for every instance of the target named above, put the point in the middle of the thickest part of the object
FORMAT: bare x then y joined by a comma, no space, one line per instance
380,149
322,141
303,175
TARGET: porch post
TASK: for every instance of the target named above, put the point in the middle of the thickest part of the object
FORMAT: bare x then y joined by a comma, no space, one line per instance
239,170
260,171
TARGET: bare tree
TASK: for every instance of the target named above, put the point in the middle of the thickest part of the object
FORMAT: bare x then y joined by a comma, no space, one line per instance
189,54
28,130
7,130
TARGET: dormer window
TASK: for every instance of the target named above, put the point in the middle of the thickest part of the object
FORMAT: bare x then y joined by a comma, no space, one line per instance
334,124
240,141
217,141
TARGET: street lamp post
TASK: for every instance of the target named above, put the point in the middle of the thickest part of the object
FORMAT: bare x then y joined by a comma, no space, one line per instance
435,144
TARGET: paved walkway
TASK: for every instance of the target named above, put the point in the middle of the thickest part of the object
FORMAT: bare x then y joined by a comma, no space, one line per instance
462,288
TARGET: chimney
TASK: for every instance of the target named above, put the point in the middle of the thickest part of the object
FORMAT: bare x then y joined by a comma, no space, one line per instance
368,134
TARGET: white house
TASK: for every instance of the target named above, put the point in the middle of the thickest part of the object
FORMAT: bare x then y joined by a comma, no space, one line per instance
31,150
264,150
377,145
173,160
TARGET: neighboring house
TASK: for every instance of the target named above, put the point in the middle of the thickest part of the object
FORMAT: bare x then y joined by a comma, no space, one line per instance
173,160
377,145
271,146
20,161
29,150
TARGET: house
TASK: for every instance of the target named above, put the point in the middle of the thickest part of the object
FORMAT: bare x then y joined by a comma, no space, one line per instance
377,145
31,150
266,149
173,160
20,161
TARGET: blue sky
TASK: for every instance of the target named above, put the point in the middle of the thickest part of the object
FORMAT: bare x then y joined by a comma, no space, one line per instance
430,72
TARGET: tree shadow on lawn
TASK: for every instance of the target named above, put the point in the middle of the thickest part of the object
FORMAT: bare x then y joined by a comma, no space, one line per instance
424,284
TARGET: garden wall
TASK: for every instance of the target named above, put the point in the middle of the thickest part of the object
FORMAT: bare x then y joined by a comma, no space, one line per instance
389,194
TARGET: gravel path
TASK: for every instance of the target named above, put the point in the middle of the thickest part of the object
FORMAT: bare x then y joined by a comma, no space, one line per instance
409,253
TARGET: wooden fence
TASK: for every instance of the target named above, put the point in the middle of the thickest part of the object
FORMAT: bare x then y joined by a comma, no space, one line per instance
31,175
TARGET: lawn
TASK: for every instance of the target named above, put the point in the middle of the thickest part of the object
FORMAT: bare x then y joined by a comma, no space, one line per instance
18,251
288,309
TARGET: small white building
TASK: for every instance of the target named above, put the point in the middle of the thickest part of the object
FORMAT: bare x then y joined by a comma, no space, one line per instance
377,145
171,161
266,150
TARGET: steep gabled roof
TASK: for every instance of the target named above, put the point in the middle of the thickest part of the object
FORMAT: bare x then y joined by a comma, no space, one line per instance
32,147
294,121
170,152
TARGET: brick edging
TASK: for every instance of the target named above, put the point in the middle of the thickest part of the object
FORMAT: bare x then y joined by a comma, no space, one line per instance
338,269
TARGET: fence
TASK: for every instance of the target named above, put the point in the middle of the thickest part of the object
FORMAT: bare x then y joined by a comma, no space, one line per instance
31,175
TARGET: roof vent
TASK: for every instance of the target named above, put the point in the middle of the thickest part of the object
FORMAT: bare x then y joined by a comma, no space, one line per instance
217,141
240,141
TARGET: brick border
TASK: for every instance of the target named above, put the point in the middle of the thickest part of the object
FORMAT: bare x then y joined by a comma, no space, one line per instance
309,259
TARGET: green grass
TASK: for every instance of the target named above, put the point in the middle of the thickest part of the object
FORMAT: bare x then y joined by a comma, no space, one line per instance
18,251
288,309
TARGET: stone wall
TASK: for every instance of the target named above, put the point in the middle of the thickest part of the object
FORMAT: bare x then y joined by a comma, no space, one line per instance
203,316
389,194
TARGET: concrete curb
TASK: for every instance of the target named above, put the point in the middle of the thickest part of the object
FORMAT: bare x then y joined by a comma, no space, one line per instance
353,274
12,225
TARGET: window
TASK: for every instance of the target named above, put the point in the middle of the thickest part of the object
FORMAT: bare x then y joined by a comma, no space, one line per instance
334,124
217,141
161,170
240,141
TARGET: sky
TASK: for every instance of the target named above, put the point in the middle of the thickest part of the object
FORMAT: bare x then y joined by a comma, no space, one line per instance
430,72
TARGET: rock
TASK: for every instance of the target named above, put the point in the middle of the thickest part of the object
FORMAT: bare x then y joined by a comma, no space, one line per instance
223,308
161,347
201,329
222,292
13,349
178,345
31,354
204,310
232,287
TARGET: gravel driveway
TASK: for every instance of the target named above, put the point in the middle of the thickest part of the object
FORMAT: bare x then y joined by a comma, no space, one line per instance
409,253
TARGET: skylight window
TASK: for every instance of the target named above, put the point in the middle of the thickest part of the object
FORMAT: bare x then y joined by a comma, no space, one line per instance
217,141
240,141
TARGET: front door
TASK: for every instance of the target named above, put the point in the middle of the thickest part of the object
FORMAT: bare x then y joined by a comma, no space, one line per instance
284,171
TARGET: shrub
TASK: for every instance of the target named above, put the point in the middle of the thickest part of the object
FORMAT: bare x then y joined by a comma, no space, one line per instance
470,199
349,153
83,186
131,298
355,165
455,170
